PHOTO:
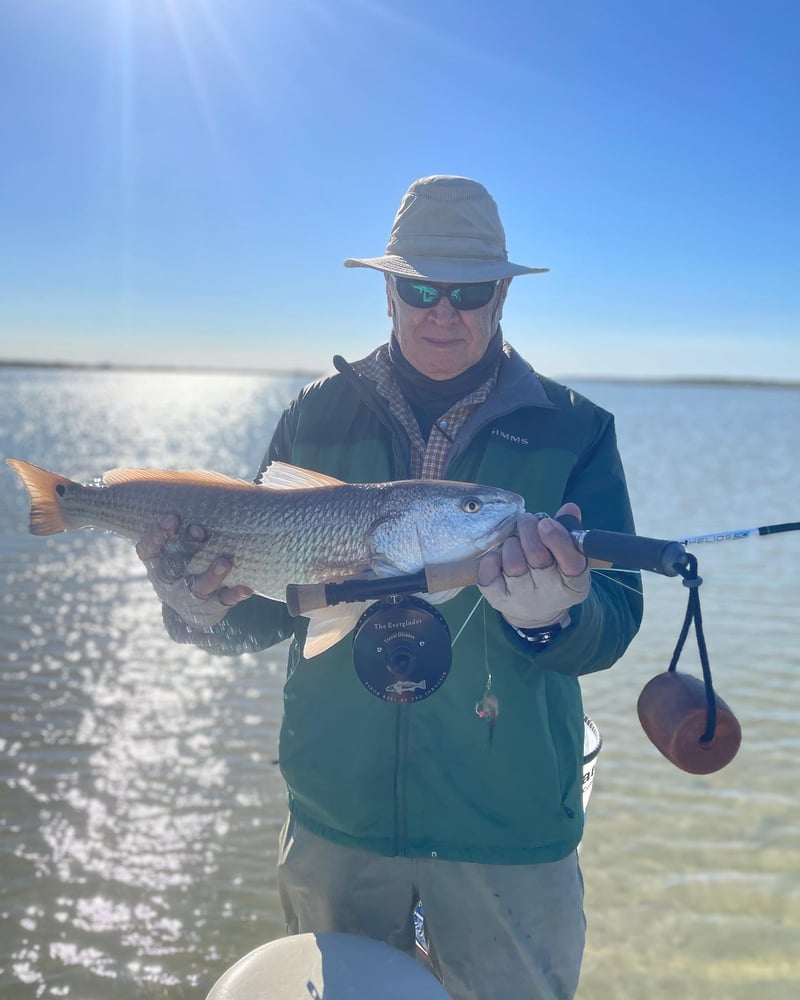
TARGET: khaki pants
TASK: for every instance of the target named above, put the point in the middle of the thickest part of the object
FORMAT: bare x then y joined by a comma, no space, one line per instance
494,931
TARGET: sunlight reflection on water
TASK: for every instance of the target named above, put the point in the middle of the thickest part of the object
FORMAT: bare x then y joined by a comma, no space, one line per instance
137,774
140,799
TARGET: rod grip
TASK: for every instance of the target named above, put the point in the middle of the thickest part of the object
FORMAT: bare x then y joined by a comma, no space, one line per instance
304,597
449,576
658,555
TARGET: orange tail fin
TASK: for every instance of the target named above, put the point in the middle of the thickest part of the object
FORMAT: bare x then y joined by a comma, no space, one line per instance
43,490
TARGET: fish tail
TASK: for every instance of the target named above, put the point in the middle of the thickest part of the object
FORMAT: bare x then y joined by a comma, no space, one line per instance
45,490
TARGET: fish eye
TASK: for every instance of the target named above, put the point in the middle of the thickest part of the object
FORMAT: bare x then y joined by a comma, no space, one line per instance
471,505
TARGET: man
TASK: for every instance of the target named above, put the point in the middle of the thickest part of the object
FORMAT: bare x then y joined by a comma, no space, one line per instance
469,799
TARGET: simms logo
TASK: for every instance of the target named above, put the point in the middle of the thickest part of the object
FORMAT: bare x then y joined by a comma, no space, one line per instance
511,438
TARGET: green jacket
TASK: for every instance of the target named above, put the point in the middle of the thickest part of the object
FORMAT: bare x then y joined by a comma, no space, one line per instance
429,779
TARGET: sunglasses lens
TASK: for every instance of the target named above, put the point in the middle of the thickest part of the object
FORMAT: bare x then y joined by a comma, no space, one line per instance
424,296
473,296
417,293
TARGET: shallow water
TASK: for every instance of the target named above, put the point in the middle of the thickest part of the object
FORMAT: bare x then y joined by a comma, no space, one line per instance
139,797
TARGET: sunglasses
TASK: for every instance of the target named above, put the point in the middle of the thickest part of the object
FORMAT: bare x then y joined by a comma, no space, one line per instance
423,295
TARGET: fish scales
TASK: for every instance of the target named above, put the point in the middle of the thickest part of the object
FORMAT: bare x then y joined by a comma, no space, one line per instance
275,538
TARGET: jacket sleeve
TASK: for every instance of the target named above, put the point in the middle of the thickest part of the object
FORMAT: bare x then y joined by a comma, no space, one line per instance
604,625
257,622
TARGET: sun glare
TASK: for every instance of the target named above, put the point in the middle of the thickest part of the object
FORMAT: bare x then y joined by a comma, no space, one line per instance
199,29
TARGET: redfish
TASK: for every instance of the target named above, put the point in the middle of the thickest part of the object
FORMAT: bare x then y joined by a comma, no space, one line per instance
296,527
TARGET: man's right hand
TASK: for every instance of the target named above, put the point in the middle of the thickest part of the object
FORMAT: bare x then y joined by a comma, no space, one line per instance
199,599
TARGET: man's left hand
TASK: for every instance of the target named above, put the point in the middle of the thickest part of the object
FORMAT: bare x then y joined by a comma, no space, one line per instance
538,574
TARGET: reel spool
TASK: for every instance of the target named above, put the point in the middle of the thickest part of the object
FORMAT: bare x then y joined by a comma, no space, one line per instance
401,649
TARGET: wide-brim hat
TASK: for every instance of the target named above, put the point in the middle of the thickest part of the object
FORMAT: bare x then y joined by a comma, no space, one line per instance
447,229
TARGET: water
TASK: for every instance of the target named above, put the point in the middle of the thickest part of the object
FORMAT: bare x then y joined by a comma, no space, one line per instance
139,797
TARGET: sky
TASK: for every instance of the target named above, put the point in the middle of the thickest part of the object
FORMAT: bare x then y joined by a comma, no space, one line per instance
181,180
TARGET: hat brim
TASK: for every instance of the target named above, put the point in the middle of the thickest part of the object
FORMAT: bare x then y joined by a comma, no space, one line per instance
444,268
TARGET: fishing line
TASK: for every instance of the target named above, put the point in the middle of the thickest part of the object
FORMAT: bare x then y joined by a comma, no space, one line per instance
605,573
487,707
466,622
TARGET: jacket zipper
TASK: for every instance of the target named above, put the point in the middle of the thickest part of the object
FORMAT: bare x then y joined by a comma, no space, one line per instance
373,401
400,771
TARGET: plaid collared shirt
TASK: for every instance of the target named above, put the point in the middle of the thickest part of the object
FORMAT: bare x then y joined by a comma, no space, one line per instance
428,458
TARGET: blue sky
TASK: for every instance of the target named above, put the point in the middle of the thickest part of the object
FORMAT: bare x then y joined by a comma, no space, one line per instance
182,179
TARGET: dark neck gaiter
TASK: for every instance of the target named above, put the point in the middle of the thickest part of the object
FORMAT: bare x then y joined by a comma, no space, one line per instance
429,398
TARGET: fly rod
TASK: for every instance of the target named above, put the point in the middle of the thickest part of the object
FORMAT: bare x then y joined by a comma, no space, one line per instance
726,536
604,547
657,555
667,557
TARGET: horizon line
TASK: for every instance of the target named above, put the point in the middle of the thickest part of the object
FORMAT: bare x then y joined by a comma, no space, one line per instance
761,381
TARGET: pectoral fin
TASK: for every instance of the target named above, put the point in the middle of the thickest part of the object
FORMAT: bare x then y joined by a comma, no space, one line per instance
328,625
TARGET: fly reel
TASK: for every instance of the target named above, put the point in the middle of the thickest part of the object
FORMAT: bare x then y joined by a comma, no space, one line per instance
401,649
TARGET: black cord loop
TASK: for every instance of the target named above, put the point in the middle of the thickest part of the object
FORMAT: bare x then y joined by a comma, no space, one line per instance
688,570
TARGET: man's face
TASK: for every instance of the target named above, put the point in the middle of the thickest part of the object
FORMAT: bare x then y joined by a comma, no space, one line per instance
442,342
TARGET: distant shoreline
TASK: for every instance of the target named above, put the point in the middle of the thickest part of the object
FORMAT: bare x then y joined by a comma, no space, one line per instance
103,366
107,366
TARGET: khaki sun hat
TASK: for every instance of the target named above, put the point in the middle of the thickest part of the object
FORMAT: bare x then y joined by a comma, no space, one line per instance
446,229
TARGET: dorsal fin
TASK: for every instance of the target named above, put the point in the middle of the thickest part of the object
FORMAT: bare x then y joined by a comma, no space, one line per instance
114,477
277,476
281,476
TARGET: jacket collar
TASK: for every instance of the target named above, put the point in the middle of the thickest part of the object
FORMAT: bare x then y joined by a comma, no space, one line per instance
518,384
